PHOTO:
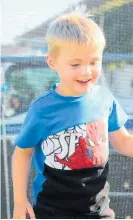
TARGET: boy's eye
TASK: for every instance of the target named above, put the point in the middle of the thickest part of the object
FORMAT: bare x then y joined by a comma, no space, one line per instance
93,63
76,64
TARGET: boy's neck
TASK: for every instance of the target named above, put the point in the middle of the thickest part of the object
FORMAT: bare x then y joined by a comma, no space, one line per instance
66,92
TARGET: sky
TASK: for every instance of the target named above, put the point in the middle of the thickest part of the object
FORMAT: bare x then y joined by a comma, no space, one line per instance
19,16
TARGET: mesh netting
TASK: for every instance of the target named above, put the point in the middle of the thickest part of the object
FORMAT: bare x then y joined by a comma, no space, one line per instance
28,77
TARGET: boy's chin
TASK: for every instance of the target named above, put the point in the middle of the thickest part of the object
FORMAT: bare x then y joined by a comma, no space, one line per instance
84,90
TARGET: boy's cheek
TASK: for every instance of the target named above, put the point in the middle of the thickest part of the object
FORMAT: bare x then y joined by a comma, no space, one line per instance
97,73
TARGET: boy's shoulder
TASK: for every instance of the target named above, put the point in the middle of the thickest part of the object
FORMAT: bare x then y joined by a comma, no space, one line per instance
38,103
100,90
41,97
102,95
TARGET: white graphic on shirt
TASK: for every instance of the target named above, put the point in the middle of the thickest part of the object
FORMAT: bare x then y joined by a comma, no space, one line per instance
78,147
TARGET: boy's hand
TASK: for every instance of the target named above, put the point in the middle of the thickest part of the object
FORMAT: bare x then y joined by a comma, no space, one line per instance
23,208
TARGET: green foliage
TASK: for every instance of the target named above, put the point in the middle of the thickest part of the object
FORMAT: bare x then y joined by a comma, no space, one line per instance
115,65
109,5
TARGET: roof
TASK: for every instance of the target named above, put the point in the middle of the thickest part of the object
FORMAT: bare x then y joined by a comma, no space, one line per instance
38,33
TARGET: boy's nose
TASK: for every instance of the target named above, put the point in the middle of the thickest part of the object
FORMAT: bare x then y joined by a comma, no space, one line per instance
86,71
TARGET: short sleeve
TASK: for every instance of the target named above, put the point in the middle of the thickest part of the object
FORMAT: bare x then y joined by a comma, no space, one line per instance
117,118
31,132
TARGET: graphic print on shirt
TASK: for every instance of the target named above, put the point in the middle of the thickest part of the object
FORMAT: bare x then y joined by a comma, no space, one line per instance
82,146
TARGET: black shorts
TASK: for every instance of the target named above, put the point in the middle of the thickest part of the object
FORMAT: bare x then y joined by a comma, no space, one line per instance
53,213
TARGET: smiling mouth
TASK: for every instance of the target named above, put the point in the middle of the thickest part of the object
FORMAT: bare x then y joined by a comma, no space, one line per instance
83,82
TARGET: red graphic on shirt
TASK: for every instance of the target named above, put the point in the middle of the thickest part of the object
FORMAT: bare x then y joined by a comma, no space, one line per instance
90,151
79,159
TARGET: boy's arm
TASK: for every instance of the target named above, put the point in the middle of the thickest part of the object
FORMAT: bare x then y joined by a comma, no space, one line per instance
20,171
122,141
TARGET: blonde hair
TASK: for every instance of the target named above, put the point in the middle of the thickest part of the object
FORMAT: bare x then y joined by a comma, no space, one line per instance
73,28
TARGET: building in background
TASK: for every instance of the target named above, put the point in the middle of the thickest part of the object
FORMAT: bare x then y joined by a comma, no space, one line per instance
115,18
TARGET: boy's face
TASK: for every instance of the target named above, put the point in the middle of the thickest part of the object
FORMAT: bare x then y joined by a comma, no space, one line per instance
78,67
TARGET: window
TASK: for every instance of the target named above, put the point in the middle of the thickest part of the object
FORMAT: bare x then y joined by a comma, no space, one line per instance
24,85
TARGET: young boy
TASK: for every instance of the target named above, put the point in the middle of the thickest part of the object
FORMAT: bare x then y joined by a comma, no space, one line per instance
67,129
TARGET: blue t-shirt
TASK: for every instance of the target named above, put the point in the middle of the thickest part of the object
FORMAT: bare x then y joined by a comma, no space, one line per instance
70,137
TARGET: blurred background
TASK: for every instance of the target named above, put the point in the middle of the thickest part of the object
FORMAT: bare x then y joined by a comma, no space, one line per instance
25,75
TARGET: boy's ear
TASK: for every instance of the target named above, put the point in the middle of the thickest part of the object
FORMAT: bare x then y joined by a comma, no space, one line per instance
50,61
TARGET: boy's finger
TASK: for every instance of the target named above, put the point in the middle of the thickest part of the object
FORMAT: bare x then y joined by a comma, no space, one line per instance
31,212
